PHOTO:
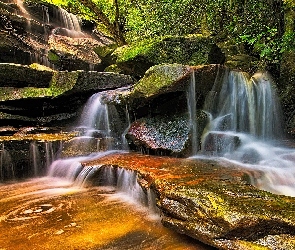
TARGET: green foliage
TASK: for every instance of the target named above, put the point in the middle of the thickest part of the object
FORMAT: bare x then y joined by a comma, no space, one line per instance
256,24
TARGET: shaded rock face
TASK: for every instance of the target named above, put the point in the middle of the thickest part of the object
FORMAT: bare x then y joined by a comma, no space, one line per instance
287,90
218,143
19,76
27,152
210,202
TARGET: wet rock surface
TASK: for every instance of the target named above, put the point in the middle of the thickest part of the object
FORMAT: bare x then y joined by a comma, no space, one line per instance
159,135
212,203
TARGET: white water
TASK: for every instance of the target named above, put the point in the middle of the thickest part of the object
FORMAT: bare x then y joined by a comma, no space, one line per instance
191,96
102,122
125,181
245,127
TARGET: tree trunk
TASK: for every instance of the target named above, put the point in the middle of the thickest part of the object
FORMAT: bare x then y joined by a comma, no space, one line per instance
114,28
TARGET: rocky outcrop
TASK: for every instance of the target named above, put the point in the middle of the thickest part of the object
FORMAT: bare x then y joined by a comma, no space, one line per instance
27,152
37,32
38,95
212,203
287,90
16,75
191,50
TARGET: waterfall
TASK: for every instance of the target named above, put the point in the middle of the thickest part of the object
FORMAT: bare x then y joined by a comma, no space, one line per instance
124,181
102,122
95,117
35,158
6,165
245,127
69,24
191,97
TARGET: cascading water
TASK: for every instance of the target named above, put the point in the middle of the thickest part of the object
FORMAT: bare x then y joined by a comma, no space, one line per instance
6,165
191,97
35,158
102,122
245,127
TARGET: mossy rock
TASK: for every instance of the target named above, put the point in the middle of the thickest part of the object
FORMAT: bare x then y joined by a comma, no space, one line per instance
16,75
161,79
136,58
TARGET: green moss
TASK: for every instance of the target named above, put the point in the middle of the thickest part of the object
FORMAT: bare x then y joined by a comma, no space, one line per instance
63,81
52,57
191,50
8,93
40,67
159,78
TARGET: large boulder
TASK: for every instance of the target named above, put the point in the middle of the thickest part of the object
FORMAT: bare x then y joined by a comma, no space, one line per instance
136,58
160,135
211,202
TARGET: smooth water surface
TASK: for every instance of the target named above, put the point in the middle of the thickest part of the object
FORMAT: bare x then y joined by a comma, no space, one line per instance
48,213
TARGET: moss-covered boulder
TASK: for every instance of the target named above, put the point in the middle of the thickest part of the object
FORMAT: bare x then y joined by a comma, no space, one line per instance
70,53
211,202
136,58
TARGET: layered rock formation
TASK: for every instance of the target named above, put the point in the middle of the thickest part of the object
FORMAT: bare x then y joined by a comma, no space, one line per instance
211,202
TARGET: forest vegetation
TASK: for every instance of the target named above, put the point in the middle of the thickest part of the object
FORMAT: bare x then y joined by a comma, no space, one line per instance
265,28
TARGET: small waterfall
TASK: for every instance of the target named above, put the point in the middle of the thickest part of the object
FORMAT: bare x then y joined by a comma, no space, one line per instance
69,25
95,117
35,159
101,122
125,181
69,20
191,97
49,153
246,105
6,165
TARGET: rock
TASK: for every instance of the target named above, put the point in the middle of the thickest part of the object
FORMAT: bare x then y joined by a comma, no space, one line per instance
19,76
42,96
136,58
212,203
163,79
29,151
168,135
73,53
287,90
219,143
